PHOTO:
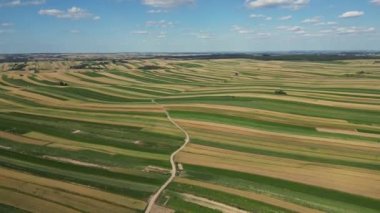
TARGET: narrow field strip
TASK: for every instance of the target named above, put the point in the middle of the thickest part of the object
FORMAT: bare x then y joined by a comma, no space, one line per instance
73,188
250,195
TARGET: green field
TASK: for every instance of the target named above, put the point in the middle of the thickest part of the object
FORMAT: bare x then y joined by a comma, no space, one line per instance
103,141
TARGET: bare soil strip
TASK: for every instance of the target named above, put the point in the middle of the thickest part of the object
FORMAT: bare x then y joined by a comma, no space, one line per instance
161,209
348,132
211,204
250,195
22,139
76,162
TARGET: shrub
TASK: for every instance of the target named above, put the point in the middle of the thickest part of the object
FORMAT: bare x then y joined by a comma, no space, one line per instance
62,83
280,92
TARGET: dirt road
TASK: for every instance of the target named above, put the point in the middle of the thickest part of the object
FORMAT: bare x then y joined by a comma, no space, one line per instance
155,196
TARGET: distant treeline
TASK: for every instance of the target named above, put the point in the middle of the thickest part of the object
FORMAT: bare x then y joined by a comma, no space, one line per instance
269,57
90,65
17,58
315,57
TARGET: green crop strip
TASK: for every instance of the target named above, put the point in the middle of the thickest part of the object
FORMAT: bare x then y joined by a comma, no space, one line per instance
262,125
297,108
303,157
233,200
76,168
209,174
93,133
11,209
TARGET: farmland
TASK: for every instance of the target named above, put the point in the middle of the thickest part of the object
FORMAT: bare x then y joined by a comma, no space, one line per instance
79,136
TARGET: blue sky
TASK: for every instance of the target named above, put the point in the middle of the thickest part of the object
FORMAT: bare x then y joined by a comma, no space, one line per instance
188,25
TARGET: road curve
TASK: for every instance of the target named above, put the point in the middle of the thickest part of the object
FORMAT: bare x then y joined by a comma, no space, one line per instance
154,197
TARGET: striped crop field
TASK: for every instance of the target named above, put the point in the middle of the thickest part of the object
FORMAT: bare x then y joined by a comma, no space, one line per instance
264,136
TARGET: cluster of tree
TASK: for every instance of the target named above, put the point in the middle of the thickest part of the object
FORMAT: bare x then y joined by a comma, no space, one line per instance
357,74
280,92
90,65
18,66
62,83
119,61
150,67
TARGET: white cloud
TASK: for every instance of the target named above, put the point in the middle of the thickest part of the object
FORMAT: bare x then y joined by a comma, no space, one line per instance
314,20
202,35
71,13
351,14
263,35
6,24
161,23
140,32
268,18
242,30
377,2
282,27
326,31
317,21
157,11
303,32
166,3
327,23
250,33
161,35
51,12
354,30
74,31
313,34
294,29
293,4
6,27
286,18
256,16
3,31
20,3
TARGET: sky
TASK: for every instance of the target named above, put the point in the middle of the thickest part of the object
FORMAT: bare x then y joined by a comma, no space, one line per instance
42,26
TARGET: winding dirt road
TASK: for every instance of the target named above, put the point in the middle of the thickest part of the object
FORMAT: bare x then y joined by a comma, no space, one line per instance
154,197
